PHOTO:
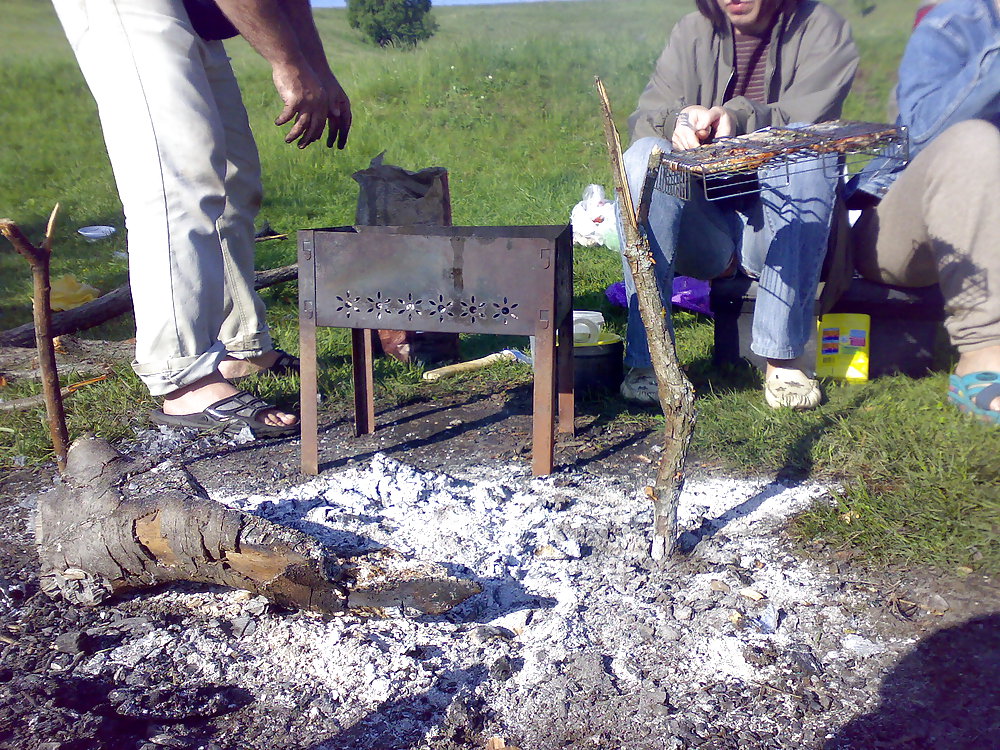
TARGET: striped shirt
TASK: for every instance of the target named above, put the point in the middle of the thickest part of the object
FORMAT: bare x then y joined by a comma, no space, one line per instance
751,58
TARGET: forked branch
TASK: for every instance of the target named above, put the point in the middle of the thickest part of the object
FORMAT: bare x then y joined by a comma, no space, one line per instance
39,259
675,390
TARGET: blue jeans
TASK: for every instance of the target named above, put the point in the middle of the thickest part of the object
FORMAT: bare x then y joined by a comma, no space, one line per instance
780,239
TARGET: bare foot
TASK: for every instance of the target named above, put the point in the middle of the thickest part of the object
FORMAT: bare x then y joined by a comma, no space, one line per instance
981,360
195,397
231,367
802,364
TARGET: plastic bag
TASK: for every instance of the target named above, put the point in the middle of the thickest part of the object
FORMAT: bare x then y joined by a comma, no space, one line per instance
687,294
593,219
393,196
691,294
67,293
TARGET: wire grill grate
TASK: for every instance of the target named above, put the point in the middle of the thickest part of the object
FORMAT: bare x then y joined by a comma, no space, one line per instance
728,167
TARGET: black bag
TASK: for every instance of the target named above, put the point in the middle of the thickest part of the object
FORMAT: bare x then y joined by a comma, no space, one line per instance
208,21
393,196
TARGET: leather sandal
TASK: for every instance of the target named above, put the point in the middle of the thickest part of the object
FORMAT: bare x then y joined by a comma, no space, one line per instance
285,364
228,417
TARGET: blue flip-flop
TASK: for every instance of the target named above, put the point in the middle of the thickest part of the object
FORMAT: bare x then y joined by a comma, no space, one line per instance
974,392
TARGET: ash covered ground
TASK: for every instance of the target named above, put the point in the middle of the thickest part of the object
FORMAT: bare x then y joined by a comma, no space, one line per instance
579,639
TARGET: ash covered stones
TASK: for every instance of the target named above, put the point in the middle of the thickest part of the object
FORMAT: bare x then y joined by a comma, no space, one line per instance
176,704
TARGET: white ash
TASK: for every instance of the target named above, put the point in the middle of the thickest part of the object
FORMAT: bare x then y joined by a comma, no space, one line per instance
575,623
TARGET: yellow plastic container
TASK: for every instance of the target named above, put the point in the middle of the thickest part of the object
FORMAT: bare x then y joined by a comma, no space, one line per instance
843,343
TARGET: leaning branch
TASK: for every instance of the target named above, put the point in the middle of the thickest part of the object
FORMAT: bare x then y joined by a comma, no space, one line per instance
38,258
675,390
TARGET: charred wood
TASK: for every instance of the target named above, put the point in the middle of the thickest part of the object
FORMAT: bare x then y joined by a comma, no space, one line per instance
111,305
118,525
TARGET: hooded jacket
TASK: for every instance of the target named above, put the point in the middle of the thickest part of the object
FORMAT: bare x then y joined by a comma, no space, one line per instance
811,62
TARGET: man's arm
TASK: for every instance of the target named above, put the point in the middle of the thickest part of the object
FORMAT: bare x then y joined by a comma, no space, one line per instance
284,34
300,15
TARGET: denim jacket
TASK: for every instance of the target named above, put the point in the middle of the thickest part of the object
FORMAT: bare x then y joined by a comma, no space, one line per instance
950,72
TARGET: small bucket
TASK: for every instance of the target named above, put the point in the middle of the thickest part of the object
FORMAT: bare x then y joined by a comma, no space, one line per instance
588,326
598,367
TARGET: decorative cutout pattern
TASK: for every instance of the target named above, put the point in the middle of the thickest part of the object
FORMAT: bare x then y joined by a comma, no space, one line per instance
436,307
348,304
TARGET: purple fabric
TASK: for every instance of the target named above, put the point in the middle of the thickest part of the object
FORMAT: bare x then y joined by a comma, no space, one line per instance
688,294
616,294
691,294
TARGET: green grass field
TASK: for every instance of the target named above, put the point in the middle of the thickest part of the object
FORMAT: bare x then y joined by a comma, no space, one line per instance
502,96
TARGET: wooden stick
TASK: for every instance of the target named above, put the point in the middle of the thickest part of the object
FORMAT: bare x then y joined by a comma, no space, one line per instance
469,366
29,402
675,390
38,259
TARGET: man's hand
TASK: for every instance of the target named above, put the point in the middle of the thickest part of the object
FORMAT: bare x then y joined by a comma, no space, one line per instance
313,104
284,33
697,125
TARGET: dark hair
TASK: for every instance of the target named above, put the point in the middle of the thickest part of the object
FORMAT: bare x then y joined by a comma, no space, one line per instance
711,10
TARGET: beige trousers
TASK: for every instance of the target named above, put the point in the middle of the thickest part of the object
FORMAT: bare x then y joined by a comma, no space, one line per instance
940,223
188,176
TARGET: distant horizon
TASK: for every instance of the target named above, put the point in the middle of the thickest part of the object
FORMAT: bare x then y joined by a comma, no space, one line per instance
343,3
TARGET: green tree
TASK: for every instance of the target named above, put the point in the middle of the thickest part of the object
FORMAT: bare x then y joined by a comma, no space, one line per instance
400,23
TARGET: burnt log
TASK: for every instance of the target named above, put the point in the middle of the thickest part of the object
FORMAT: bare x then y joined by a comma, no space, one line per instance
115,303
118,525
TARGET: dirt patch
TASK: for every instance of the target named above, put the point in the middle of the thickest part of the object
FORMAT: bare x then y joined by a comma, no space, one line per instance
75,357
578,640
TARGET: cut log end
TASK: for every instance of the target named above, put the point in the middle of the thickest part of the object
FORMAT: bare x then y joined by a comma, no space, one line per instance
113,527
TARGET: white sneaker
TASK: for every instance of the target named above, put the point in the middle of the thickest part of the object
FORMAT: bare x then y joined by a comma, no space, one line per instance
640,386
791,389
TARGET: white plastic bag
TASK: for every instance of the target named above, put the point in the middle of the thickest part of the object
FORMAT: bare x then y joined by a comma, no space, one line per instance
593,219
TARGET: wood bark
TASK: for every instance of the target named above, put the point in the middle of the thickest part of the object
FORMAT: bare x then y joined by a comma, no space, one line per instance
115,303
39,259
117,525
30,402
675,391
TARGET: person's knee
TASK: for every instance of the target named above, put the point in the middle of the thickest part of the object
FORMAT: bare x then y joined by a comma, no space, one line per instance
637,155
976,142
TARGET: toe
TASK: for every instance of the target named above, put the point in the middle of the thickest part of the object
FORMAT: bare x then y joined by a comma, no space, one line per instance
278,418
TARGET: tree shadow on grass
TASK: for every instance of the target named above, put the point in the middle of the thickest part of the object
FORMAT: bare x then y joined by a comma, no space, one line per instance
779,441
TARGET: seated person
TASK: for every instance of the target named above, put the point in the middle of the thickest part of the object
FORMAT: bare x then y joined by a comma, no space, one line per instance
732,68
934,220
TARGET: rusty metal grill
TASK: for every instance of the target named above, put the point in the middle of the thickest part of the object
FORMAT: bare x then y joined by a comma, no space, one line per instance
447,279
729,166
515,280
